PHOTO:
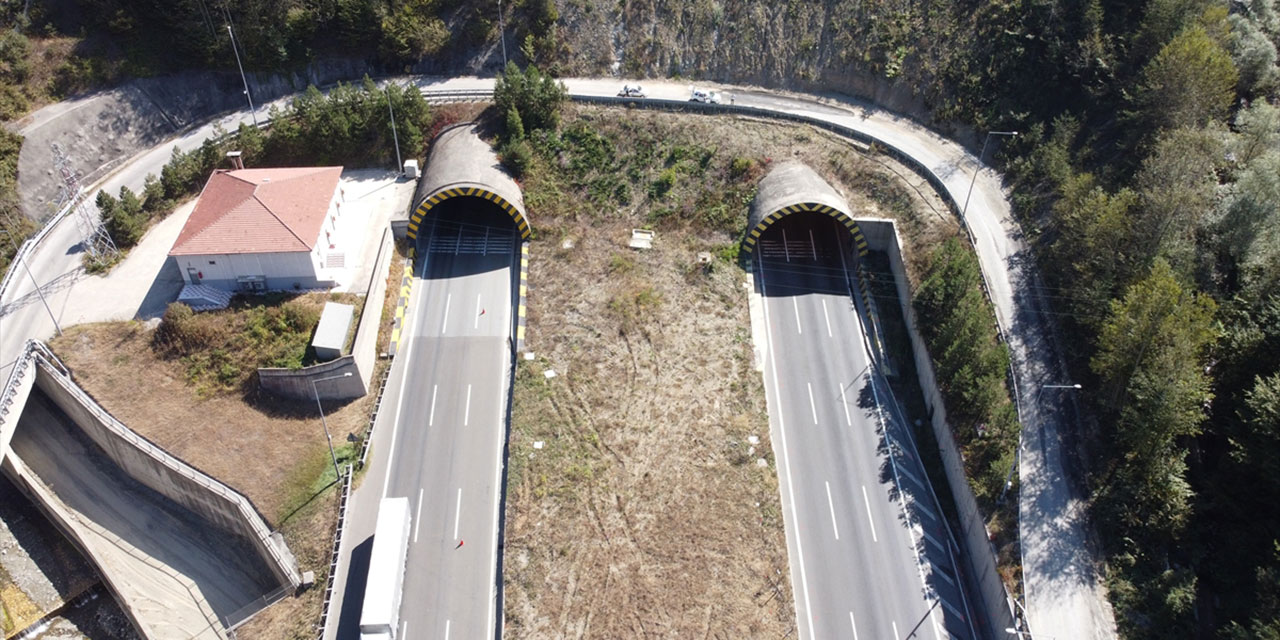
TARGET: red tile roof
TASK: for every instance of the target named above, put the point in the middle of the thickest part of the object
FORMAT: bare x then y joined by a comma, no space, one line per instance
259,211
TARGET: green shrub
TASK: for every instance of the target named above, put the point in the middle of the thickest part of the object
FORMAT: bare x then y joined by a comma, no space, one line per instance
517,157
183,332
664,184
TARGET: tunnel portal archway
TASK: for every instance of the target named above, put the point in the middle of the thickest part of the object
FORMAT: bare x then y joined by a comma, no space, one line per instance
463,165
793,187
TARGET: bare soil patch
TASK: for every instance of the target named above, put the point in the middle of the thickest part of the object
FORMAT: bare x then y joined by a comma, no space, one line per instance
637,504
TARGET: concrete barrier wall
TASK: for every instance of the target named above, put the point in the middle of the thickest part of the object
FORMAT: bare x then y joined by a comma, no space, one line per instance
296,383
882,235
163,473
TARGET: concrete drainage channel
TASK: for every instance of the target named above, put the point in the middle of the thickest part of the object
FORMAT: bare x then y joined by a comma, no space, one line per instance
184,555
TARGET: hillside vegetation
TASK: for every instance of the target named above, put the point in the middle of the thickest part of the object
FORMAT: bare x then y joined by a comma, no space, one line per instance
1147,173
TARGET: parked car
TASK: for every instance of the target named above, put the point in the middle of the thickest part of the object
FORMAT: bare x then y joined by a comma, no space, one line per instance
631,91
703,95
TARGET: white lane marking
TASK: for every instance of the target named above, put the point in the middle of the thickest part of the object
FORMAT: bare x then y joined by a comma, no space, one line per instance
895,629
491,619
477,322
795,304
466,418
457,513
785,250
444,327
872,523
404,628
485,250
844,403
431,419
813,408
786,463
843,266
832,506
417,520
813,246
853,625
828,317
447,624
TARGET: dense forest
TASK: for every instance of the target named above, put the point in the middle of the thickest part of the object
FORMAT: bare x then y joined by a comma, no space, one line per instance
1147,173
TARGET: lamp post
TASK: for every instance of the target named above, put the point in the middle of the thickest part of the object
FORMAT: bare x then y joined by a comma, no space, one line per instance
396,138
35,284
1008,479
236,51
981,155
502,35
325,424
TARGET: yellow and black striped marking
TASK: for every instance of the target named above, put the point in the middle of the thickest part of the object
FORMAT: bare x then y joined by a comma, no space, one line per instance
476,192
749,243
402,304
524,290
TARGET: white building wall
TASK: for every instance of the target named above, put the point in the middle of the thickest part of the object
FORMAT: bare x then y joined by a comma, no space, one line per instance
277,270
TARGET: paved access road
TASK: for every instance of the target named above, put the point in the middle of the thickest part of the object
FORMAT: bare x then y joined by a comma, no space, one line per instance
867,550
444,448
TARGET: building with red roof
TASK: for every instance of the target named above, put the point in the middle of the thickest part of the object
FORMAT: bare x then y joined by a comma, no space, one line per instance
263,229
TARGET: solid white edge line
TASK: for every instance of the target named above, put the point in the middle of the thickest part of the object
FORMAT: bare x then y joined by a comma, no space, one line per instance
466,416
870,520
491,620
457,513
812,407
444,326
853,625
831,505
813,246
431,419
796,305
828,317
848,421
447,624
895,629
404,629
476,324
417,520
786,461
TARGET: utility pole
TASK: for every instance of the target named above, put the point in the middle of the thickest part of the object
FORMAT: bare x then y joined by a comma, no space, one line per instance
396,138
502,35
25,265
981,154
236,51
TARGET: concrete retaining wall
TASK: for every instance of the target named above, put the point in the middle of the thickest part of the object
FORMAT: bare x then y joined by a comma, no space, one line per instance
882,235
296,383
161,472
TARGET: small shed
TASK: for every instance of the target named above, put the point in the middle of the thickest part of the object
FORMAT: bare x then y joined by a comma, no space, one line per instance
331,333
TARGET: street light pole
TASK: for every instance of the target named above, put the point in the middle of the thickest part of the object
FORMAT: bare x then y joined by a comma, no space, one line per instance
981,155
236,51
502,35
1054,386
396,138
27,267
336,474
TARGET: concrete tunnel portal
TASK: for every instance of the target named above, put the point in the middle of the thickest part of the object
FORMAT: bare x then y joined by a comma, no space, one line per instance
463,171
792,188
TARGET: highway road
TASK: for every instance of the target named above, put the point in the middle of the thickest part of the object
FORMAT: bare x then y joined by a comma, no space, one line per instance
1064,594
444,450
868,555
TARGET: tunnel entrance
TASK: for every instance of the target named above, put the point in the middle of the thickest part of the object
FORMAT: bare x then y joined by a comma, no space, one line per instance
807,252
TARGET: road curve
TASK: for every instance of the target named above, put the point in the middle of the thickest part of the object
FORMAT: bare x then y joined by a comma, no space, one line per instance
1064,595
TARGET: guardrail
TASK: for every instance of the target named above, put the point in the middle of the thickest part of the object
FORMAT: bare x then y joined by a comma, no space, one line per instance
334,556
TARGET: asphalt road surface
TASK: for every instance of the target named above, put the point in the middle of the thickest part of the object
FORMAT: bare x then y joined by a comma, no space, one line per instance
446,443
861,564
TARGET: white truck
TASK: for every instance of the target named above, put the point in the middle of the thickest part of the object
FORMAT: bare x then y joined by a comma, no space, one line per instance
380,615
